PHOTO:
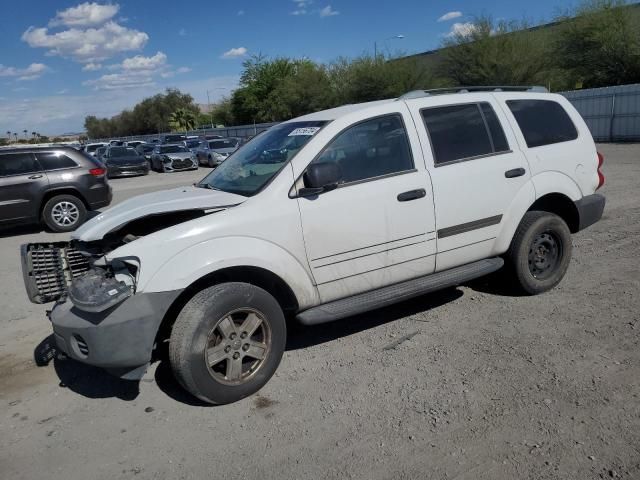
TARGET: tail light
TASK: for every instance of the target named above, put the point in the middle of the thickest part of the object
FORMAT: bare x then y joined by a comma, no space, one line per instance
600,175
98,172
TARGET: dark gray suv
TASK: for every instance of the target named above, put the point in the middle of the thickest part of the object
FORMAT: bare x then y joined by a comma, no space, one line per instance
53,185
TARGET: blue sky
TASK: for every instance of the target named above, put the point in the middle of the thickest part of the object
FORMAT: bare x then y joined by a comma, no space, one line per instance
62,60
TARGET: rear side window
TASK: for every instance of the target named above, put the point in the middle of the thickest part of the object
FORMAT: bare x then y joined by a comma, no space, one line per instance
17,164
543,122
370,149
460,132
54,161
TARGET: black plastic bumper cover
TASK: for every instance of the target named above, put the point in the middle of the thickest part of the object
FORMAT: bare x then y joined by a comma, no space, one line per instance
120,338
590,209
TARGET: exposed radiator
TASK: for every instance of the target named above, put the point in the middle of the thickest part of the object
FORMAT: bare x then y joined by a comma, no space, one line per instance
49,268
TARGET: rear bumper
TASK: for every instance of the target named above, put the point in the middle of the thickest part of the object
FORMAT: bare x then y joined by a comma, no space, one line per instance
119,339
590,209
127,171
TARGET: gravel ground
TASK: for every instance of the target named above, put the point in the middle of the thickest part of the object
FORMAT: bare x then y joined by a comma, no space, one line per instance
468,383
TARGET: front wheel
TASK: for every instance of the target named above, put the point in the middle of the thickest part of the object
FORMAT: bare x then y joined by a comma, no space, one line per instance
227,342
210,162
540,252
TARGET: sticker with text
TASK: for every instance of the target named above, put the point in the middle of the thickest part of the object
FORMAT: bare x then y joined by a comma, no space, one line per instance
308,131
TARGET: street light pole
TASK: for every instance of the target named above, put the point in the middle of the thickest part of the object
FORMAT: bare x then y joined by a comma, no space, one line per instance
209,107
375,43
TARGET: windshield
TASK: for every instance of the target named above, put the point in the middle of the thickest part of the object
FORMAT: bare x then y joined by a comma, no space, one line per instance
122,152
228,143
93,148
173,149
192,143
255,163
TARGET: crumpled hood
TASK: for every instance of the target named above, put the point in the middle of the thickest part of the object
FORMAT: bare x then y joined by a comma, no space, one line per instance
174,200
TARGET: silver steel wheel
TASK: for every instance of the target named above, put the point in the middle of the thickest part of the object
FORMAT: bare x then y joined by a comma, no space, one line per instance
65,214
238,346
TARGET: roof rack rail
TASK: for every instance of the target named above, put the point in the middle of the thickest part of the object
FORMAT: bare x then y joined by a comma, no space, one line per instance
443,91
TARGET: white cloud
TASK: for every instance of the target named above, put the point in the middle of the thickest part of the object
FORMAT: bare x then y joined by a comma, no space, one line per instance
302,7
140,62
33,71
240,13
85,15
328,12
235,53
116,81
90,45
182,32
461,29
63,91
183,70
449,16
55,114
92,67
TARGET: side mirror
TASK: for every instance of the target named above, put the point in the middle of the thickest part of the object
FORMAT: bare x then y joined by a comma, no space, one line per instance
320,177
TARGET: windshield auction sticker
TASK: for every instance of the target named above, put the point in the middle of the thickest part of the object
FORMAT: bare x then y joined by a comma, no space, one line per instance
308,131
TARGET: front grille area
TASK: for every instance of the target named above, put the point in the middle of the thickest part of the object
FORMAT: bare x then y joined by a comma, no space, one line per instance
48,269
180,163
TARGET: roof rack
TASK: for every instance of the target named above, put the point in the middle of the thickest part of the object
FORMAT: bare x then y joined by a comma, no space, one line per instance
443,91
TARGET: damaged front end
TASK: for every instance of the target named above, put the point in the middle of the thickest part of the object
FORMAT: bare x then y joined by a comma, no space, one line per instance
56,271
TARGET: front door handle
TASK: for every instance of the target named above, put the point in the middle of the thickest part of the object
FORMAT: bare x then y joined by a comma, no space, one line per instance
516,172
34,177
412,195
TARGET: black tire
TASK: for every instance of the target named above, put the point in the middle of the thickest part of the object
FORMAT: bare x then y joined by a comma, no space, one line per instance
210,162
57,206
540,252
197,330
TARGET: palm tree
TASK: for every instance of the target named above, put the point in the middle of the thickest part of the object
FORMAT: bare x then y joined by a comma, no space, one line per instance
9,135
15,136
25,133
182,119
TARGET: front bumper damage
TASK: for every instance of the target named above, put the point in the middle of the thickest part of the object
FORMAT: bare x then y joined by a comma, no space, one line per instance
98,318
119,339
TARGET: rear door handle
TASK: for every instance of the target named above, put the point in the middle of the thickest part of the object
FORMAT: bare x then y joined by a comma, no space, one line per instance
412,195
516,172
34,177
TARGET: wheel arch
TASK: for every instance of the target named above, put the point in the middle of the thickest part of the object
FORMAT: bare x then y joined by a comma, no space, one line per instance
561,205
49,194
253,275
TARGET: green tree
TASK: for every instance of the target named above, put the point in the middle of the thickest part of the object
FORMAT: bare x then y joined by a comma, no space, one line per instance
182,120
499,53
598,44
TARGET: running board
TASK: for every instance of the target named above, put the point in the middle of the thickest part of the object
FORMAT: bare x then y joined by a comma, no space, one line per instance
363,302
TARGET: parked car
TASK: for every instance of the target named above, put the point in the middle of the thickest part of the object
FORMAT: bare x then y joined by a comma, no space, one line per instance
133,143
124,162
193,144
173,158
146,150
100,152
116,143
171,138
322,217
91,148
52,185
214,152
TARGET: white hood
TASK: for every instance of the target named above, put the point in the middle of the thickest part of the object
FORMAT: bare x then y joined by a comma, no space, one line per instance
177,199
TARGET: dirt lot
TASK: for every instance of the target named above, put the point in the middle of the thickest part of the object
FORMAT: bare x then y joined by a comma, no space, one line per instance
469,383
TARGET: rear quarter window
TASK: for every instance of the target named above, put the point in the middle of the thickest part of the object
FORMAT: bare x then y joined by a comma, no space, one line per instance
55,161
542,122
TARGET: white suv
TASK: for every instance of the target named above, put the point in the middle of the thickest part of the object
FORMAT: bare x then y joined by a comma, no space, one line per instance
319,218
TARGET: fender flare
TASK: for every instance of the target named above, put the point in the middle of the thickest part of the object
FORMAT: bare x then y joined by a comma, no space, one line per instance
198,261
539,186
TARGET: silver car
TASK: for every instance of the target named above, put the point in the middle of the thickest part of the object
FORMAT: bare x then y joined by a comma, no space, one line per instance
214,152
172,158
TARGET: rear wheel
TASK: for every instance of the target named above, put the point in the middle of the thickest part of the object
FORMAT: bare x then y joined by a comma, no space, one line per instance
227,342
210,162
64,213
540,252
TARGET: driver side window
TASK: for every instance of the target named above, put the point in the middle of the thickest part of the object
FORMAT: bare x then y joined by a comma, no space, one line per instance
369,149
